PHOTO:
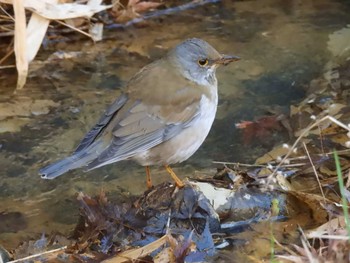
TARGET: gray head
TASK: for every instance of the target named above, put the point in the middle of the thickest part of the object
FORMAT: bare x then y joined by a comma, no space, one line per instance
198,60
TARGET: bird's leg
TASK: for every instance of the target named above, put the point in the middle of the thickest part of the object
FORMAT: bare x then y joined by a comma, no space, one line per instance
148,177
177,180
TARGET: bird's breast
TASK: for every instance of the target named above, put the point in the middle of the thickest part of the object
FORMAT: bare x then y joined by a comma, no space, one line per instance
183,145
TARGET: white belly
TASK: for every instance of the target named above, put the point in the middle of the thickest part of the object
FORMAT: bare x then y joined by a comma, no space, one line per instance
186,143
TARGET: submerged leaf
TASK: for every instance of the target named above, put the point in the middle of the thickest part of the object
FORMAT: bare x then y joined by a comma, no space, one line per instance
260,129
338,42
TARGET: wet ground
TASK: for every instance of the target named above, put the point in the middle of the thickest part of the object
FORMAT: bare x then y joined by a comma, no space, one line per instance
283,46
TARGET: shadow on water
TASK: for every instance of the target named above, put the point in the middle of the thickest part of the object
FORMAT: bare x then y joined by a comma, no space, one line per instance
283,45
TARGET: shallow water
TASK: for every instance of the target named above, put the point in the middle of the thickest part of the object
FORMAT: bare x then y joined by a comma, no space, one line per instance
283,46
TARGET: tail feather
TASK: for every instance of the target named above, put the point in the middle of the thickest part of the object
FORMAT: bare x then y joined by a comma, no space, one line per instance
62,166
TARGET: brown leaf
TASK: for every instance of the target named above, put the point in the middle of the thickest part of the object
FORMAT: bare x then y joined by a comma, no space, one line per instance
145,6
182,247
165,256
319,214
259,129
333,224
133,9
134,254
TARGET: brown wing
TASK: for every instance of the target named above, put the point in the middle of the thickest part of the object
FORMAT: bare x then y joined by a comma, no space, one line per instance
156,111
91,136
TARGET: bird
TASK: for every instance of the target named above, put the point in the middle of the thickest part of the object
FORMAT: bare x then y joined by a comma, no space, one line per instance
161,118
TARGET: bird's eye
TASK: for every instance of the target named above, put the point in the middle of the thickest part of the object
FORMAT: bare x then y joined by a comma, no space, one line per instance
203,62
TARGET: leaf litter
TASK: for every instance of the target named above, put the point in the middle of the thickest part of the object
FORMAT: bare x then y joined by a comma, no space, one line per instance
321,124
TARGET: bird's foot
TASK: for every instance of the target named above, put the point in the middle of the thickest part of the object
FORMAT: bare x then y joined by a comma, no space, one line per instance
177,180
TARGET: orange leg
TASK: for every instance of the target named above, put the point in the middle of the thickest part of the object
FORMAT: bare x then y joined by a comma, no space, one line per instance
177,180
148,177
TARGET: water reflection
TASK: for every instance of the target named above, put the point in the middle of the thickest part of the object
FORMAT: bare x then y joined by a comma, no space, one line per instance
283,45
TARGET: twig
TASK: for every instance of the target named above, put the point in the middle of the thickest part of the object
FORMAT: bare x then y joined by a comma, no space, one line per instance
7,34
284,247
259,165
13,19
132,255
306,131
7,66
307,246
164,12
321,139
240,164
315,171
304,157
74,28
331,237
38,255
347,185
318,154
6,56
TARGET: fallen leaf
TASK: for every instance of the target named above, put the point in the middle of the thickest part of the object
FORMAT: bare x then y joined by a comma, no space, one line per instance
165,256
61,11
13,124
133,9
260,129
338,42
134,254
333,224
272,155
319,214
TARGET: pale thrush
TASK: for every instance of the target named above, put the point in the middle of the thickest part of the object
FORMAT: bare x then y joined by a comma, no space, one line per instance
162,118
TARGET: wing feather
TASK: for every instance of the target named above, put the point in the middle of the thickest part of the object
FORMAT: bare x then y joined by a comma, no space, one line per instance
141,135
91,136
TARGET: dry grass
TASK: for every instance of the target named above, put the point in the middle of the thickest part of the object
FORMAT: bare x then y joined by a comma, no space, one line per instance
28,37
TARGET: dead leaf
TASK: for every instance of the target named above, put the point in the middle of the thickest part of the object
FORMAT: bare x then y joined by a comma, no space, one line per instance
165,256
134,254
319,214
264,172
62,11
133,9
181,247
260,129
338,42
13,125
273,155
283,183
36,31
333,224
142,6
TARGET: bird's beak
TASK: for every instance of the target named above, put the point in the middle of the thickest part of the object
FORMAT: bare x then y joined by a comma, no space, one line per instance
226,59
